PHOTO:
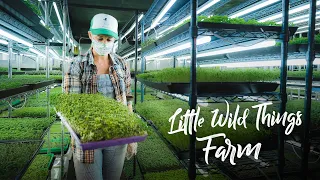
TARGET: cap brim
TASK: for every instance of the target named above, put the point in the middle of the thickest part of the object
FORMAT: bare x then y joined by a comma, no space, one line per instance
104,32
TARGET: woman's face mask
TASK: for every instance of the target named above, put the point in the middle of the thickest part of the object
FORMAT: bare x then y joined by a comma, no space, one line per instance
102,48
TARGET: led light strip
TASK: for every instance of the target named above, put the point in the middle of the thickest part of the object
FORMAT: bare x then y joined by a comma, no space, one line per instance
260,63
2,52
306,31
304,20
200,10
132,52
132,58
15,38
58,14
291,11
42,22
3,42
303,27
253,7
60,21
54,54
132,27
162,13
232,49
183,46
299,17
37,52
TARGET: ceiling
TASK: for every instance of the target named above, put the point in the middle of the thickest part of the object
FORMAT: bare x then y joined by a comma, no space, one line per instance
82,11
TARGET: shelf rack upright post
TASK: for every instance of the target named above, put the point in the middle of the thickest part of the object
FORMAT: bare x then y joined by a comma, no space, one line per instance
284,37
10,49
193,85
136,54
283,82
308,88
48,90
143,62
64,51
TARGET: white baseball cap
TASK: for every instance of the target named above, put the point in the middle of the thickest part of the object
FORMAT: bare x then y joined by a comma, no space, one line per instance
104,24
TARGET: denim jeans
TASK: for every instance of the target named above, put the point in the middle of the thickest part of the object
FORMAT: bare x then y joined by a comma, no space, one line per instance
108,164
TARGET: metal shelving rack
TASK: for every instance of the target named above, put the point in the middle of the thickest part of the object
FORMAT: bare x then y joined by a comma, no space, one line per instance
284,36
39,36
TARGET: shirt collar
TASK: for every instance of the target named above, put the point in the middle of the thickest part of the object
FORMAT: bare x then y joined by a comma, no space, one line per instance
91,60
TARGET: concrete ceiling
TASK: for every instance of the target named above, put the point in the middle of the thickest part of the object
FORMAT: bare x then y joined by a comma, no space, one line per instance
82,11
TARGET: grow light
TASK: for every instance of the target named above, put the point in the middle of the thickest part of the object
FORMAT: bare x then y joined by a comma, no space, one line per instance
261,63
159,59
162,13
303,27
299,17
232,49
304,20
28,55
291,11
3,42
42,22
133,58
204,7
253,7
132,27
37,52
54,54
15,38
183,46
132,52
306,31
2,52
58,14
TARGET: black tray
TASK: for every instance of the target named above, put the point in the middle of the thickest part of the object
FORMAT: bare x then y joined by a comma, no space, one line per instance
214,88
245,28
11,92
13,73
41,84
58,81
24,88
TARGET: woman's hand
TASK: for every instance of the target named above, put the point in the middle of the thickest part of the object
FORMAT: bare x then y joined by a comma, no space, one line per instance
130,107
131,150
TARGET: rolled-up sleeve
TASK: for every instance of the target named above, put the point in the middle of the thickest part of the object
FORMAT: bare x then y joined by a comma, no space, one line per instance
128,83
72,79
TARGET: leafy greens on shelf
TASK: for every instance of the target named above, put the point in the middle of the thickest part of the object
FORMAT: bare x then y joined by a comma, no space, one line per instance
211,75
95,117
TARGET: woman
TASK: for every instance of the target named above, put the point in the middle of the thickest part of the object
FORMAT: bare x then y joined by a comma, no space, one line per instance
101,71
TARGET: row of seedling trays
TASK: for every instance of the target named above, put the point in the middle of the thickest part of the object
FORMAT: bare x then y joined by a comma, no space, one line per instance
232,82
24,141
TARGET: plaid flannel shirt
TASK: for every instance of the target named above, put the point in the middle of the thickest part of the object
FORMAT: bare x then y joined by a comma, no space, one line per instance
82,78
